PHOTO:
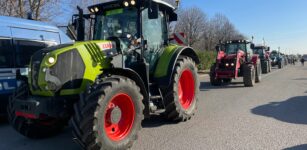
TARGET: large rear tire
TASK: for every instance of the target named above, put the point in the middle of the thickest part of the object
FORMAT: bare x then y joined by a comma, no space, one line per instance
270,66
213,80
265,67
109,115
280,65
258,72
248,75
181,98
32,128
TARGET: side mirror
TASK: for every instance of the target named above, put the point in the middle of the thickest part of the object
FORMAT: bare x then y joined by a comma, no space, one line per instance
173,17
217,48
269,49
252,46
153,10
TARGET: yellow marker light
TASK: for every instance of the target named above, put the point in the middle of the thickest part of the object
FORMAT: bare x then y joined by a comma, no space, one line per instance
51,60
126,4
133,2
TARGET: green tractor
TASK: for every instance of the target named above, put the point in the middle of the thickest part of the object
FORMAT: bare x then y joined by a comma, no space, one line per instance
108,85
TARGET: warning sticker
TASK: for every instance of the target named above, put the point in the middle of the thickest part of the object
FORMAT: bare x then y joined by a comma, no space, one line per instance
105,45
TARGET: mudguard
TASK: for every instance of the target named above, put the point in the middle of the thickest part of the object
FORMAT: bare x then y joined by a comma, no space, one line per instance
255,59
166,64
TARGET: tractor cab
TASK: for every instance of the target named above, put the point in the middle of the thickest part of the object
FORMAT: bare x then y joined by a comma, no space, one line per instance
262,51
231,51
138,29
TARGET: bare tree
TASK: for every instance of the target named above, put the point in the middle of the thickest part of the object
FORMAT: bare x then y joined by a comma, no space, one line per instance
39,9
192,21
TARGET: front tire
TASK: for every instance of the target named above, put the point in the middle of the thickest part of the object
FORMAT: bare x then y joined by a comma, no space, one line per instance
213,80
265,67
280,65
32,128
258,72
109,115
181,98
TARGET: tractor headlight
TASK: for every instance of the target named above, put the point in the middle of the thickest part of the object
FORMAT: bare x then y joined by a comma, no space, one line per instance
227,64
96,9
133,2
92,10
51,60
232,64
126,4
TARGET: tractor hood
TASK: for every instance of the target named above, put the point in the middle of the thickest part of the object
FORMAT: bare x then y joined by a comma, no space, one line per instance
66,69
230,56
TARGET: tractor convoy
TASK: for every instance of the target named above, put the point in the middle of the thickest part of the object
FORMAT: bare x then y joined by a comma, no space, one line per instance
236,59
128,70
241,58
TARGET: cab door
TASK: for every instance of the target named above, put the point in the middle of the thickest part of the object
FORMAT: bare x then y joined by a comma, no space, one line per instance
155,33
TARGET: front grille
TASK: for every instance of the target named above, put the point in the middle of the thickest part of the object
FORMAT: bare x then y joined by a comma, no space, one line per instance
69,69
222,65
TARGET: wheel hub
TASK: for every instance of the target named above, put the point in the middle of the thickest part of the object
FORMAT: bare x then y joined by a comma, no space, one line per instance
116,115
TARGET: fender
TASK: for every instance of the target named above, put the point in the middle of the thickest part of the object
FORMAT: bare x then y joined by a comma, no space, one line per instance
166,64
254,59
131,74
219,56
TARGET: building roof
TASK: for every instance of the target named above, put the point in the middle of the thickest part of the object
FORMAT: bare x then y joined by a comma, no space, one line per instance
28,24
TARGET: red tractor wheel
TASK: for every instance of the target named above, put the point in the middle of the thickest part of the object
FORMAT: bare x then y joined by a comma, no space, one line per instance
110,115
181,98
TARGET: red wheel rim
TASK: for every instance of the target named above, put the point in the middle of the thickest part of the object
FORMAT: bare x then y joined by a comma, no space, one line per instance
121,128
186,89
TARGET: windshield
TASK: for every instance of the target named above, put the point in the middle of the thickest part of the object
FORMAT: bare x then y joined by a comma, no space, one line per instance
274,54
116,23
259,51
233,48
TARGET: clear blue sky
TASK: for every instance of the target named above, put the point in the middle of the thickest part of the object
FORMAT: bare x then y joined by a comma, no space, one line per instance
281,22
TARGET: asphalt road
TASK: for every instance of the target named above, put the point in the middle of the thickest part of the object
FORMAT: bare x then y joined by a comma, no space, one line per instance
271,115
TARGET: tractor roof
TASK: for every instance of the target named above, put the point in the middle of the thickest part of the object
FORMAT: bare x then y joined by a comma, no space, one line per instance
261,47
237,41
116,3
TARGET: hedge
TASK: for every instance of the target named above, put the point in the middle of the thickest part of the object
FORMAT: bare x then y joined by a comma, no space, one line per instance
207,58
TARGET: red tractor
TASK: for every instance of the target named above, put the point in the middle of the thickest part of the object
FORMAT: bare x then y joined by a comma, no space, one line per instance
236,59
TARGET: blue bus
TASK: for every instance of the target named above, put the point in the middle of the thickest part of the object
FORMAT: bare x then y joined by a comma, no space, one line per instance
19,39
